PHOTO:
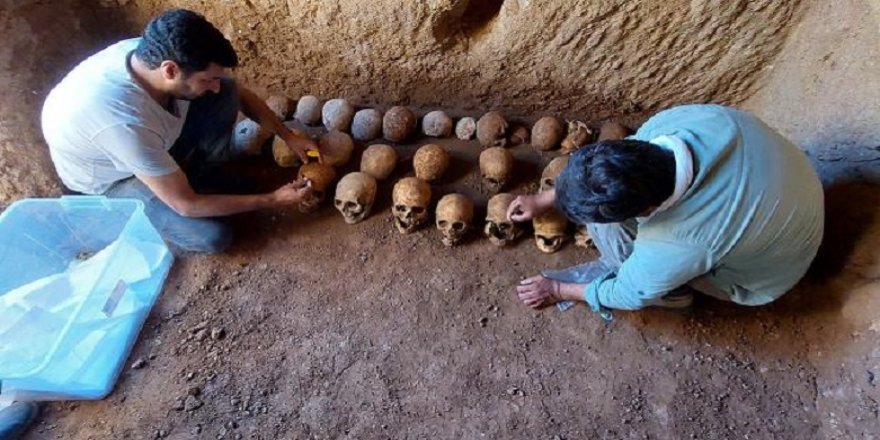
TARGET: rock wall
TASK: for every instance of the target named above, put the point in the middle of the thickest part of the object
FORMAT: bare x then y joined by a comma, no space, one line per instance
576,59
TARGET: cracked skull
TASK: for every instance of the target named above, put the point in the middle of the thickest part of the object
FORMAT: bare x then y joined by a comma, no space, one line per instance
430,162
322,176
578,136
499,229
355,194
496,167
552,171
455,213
550,230
411,197
492,130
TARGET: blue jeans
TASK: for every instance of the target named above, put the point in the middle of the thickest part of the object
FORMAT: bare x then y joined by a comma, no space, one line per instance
204,139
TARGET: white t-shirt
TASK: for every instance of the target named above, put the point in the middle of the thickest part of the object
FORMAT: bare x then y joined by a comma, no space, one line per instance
102,126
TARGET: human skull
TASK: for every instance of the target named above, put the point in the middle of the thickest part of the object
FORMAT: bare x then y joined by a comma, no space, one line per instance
280,105
321,177
499,229
336,148
492,130
612,131
465,128
355,194
550,230
552,171
284,156
248,137
337,114
308,110
379,161
367,124
546,133
437,124
411,197
430,162
519,135
578,136
582,237
398,124
496,167
455,213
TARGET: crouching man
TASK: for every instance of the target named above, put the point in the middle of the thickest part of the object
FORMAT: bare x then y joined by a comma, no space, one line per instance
702,195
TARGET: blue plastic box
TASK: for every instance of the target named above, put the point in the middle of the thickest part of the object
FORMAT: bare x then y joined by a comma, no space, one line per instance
78,277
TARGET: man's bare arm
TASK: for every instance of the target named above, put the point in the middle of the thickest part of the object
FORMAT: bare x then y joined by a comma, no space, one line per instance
174,190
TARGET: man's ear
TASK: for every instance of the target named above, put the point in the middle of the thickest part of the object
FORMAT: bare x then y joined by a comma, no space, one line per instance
170,70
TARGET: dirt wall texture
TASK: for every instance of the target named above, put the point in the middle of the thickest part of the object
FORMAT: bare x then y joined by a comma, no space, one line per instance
584,59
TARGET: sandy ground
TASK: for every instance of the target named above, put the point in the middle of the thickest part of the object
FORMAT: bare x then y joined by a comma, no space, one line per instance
311,328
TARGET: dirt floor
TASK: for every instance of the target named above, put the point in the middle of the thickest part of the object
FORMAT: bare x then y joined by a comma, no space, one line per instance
311,328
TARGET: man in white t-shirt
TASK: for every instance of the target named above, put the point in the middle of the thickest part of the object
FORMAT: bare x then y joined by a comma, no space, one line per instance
124,121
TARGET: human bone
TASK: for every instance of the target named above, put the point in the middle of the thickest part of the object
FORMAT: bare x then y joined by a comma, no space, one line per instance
578,136
398,124
321,177
499,229
552,171
308,110
550,230
496,168
492,130
336,148
337,114
430,162
283,155
519,135
465,128
455,214
280,105
411,197
612,131
367,124
355,194
582,237
379,161
437,124
249,137
547,133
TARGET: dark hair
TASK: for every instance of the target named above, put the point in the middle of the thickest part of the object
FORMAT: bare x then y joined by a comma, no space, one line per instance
612,181
186,38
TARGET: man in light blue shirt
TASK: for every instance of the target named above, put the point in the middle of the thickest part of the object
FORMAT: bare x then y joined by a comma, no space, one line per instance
701,195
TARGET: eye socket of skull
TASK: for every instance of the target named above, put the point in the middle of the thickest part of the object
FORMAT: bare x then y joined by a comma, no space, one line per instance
417,209
442,224
458,226
503,227
548,182
400,208
350,205
547,241
339,203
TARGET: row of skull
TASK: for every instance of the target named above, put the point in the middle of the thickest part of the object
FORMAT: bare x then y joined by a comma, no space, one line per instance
411,196
399,123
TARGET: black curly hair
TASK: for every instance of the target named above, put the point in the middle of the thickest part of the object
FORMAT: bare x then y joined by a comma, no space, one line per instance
186,38
613,181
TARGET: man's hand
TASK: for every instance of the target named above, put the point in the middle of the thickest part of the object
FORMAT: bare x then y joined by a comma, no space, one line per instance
539,291
293,192
301,145
522,209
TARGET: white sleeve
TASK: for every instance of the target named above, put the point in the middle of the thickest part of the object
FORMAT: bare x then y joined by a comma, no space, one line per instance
135,149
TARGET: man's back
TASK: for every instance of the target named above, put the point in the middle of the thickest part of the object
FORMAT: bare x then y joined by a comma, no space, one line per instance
102,126
755,206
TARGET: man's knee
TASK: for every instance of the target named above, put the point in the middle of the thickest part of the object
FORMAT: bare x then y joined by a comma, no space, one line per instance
216,238
209,236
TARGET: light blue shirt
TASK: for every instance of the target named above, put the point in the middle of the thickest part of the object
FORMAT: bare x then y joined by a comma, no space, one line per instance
751,220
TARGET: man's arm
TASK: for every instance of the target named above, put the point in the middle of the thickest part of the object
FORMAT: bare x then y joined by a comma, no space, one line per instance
174,190
652,270
255,108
